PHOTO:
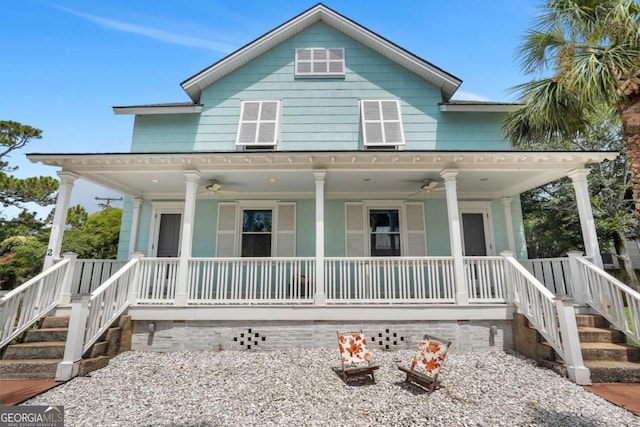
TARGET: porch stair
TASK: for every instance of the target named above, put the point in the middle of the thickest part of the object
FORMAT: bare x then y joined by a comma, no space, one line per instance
604,350
41,349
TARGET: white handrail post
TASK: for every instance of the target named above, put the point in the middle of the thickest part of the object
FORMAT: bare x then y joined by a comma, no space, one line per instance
71,362
135,281
576,370
67,280
577,279
509,275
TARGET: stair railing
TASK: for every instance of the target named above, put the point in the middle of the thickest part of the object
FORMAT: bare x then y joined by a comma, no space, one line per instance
553,317
26,304
93,314
611,298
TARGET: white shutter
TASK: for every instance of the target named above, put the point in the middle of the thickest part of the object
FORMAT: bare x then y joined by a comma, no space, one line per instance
381,122
319,62
227,230
356,230
258,123
286,230
416,235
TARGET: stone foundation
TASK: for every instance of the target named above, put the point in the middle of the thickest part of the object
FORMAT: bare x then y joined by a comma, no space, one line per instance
188,335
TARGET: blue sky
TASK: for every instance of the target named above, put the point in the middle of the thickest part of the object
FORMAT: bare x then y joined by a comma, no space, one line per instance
65,63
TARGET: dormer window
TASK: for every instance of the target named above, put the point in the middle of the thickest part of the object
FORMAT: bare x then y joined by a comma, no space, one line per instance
259,124
320,62
381,124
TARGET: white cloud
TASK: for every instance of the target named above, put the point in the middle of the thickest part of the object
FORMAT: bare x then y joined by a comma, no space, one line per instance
462,95
161,35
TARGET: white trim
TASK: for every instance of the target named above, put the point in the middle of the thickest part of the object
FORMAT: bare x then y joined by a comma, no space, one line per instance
157,209
483,208
480,108
159,109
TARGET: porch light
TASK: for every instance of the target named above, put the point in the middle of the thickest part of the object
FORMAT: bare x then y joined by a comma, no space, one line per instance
155,181
272,180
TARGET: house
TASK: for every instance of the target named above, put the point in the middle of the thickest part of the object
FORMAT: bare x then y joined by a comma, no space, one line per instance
321,177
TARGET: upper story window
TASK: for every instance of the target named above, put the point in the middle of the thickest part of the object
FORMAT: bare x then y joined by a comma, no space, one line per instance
259,124
381,123
320,62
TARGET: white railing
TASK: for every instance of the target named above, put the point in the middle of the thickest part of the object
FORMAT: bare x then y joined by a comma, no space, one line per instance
90,273
611,298
108,302
485,279
251,280
553,273
158,280
27,303
389,280
554,318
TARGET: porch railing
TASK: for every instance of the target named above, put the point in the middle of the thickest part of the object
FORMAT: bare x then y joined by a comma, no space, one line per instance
614,300
553,318
553,273
90,273
158,280
485,279
389,280
27,303
251,280
108,302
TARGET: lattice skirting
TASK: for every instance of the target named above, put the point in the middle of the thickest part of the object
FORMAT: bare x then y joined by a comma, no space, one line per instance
474,335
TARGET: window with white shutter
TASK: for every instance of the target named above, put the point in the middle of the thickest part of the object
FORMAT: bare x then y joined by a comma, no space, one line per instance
320,62
259,124
227,230
416,243
286,230
381,123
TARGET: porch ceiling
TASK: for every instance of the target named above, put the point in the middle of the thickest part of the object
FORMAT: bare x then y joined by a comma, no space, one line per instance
376,175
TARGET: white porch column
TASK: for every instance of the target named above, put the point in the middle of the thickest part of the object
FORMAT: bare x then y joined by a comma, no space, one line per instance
135,222
188,217
589,235
455,234
320,297
59,217
508,219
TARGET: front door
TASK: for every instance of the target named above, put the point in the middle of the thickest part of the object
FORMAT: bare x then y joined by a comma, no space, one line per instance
168,238
474,234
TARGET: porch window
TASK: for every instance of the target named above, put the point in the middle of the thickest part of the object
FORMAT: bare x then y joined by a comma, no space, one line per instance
256,233
381,124
259,123
384,232
320,62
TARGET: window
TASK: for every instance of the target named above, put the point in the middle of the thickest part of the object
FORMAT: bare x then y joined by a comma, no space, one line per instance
256,233
320,62
259,122
381,123
384,232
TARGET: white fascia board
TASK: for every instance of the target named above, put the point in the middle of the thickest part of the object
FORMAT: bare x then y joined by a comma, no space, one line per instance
174,109
480,108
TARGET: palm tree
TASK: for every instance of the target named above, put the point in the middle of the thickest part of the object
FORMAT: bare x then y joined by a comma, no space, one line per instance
591,48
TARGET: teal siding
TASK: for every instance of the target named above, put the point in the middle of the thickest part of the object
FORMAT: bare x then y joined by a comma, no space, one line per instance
319,114
437,222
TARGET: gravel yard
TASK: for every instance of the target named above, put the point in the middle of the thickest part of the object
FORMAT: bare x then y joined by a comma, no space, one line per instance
300,388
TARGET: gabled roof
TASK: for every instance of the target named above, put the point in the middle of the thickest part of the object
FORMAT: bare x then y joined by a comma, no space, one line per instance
167,108
447,83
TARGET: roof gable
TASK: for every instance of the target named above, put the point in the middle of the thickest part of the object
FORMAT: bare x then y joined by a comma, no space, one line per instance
447,83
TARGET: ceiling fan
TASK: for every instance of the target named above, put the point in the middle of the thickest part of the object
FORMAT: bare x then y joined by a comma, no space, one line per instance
428,186
214,187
